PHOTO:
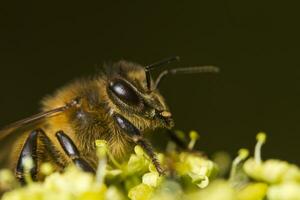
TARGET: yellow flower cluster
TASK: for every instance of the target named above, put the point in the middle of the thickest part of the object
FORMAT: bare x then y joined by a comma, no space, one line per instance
189,176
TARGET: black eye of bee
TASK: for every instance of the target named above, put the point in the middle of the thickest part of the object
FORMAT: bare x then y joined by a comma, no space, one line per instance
124,92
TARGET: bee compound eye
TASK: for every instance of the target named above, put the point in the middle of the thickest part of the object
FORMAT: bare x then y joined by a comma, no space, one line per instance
124,92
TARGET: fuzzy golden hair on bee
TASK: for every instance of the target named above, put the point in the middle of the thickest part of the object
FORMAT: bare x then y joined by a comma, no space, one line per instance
119,104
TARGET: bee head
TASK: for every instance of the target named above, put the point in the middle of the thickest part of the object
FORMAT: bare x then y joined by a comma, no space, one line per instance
128,89
135,94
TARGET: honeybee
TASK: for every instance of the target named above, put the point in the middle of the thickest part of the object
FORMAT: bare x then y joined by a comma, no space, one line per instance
118,105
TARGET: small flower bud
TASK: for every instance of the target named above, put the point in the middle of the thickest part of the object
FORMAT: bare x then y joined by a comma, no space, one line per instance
261,137
243,153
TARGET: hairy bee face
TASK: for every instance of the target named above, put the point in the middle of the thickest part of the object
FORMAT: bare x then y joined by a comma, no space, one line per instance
127,89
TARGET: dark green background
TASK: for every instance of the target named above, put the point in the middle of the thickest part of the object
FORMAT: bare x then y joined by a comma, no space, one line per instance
255,43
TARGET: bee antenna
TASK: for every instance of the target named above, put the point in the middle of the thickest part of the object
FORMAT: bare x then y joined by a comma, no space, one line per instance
186,70
158,64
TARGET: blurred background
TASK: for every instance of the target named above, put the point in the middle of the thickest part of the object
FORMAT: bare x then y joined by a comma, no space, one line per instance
255,43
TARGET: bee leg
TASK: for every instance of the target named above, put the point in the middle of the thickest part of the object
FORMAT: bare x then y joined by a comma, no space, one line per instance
28,151
147,147
137,137
72,151
50,148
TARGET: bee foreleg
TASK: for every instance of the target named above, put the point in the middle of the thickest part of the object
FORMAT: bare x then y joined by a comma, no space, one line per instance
29,150
137,137
147,147
71,150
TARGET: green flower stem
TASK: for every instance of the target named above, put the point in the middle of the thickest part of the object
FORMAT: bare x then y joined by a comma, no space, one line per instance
242,155
261,139
194,137
113,160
